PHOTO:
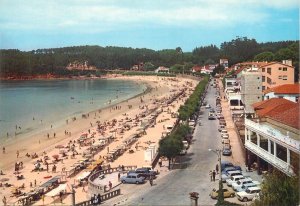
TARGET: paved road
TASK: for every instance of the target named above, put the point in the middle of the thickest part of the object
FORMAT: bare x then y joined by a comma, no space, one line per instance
174,187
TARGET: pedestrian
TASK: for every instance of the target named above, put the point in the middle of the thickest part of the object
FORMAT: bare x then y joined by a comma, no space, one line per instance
210,174
94,202
18,153
54,134
3,149
119,176
99,198
43,198
35,182
4,201
217,168
110,185
92,199
61,196
151,180
214,175
47,166
160,162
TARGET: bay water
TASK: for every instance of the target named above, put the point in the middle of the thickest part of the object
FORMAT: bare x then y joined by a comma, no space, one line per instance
29,106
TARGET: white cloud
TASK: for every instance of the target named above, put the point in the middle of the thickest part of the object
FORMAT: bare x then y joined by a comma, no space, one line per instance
103,15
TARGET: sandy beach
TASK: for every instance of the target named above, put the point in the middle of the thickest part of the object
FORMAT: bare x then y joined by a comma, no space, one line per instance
112,120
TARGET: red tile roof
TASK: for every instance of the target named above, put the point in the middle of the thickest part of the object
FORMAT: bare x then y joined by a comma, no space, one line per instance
289,117
285,89
279,109
196,68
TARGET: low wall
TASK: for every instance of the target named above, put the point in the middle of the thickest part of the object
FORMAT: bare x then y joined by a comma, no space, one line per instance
104,197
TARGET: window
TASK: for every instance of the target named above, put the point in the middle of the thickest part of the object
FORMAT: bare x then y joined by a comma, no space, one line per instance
263,69
269,80
263,87
280,77
263,79
279,68
284,69
269,70
284,77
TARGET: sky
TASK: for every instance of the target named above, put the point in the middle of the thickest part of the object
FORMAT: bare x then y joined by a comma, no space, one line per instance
153,24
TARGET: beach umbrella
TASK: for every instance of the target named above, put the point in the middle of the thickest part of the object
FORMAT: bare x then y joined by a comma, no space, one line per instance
56,156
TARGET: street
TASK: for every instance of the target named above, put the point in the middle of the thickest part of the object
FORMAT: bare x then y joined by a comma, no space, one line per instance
174,187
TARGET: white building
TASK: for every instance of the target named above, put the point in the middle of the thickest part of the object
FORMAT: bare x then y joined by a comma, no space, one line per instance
287,91
272,138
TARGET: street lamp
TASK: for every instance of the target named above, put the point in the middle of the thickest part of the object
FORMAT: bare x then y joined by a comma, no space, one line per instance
220,195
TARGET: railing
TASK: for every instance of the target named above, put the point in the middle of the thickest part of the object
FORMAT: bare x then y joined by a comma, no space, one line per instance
275,161
273,133
104,197
91,179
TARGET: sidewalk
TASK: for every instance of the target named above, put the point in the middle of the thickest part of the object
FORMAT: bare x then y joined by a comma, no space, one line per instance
238,156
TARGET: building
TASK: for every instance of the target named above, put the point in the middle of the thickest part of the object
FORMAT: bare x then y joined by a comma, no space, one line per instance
162,69
251,88
287,91
276,73
196,68
272,136
224,63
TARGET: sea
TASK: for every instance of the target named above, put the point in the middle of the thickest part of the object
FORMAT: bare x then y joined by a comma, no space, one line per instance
27,107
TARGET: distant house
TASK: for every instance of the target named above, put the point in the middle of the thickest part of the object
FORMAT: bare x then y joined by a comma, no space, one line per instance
196,68
287,91
224,63
162,69
77,65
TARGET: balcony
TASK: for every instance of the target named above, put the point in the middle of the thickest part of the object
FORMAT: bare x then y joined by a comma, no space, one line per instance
273,160
273,135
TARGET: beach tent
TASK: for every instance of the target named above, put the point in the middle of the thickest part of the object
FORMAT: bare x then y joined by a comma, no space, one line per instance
57,190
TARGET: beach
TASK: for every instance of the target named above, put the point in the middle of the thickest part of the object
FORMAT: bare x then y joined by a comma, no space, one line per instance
112,119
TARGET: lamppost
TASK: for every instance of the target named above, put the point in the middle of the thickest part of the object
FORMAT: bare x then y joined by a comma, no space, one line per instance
219,154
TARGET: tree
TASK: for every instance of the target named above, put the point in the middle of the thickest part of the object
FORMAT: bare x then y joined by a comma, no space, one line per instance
264,56
279,189
170,147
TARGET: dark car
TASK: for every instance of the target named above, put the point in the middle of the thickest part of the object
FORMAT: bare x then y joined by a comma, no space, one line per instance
225,164
145,172
226,151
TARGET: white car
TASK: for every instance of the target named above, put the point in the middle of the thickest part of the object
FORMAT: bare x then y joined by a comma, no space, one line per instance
234,179
207,106
240,183
248,194
248,185
224,131
230,174
224,135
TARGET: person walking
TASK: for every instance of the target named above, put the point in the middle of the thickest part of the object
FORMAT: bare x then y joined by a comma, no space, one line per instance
119,176
217,168
99,198
4,201
214,175
151,180
18,153
160,162
110,185
210,174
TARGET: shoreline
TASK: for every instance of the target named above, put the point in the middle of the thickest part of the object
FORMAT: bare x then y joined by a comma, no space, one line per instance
42,133
112,120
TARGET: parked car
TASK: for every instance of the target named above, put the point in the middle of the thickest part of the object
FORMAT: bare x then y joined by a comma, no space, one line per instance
226,151
133,178
240,183
226,192
229,174
221,127
183,152
211,117
222,122
234,179
225,136
225,141
144,172
248,194
207,106
224,131
245,186
225,164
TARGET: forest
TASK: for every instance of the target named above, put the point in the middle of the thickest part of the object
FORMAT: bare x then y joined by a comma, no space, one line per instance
16,63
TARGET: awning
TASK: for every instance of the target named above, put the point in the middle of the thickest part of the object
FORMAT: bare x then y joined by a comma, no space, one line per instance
83,175
57,190
50,182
